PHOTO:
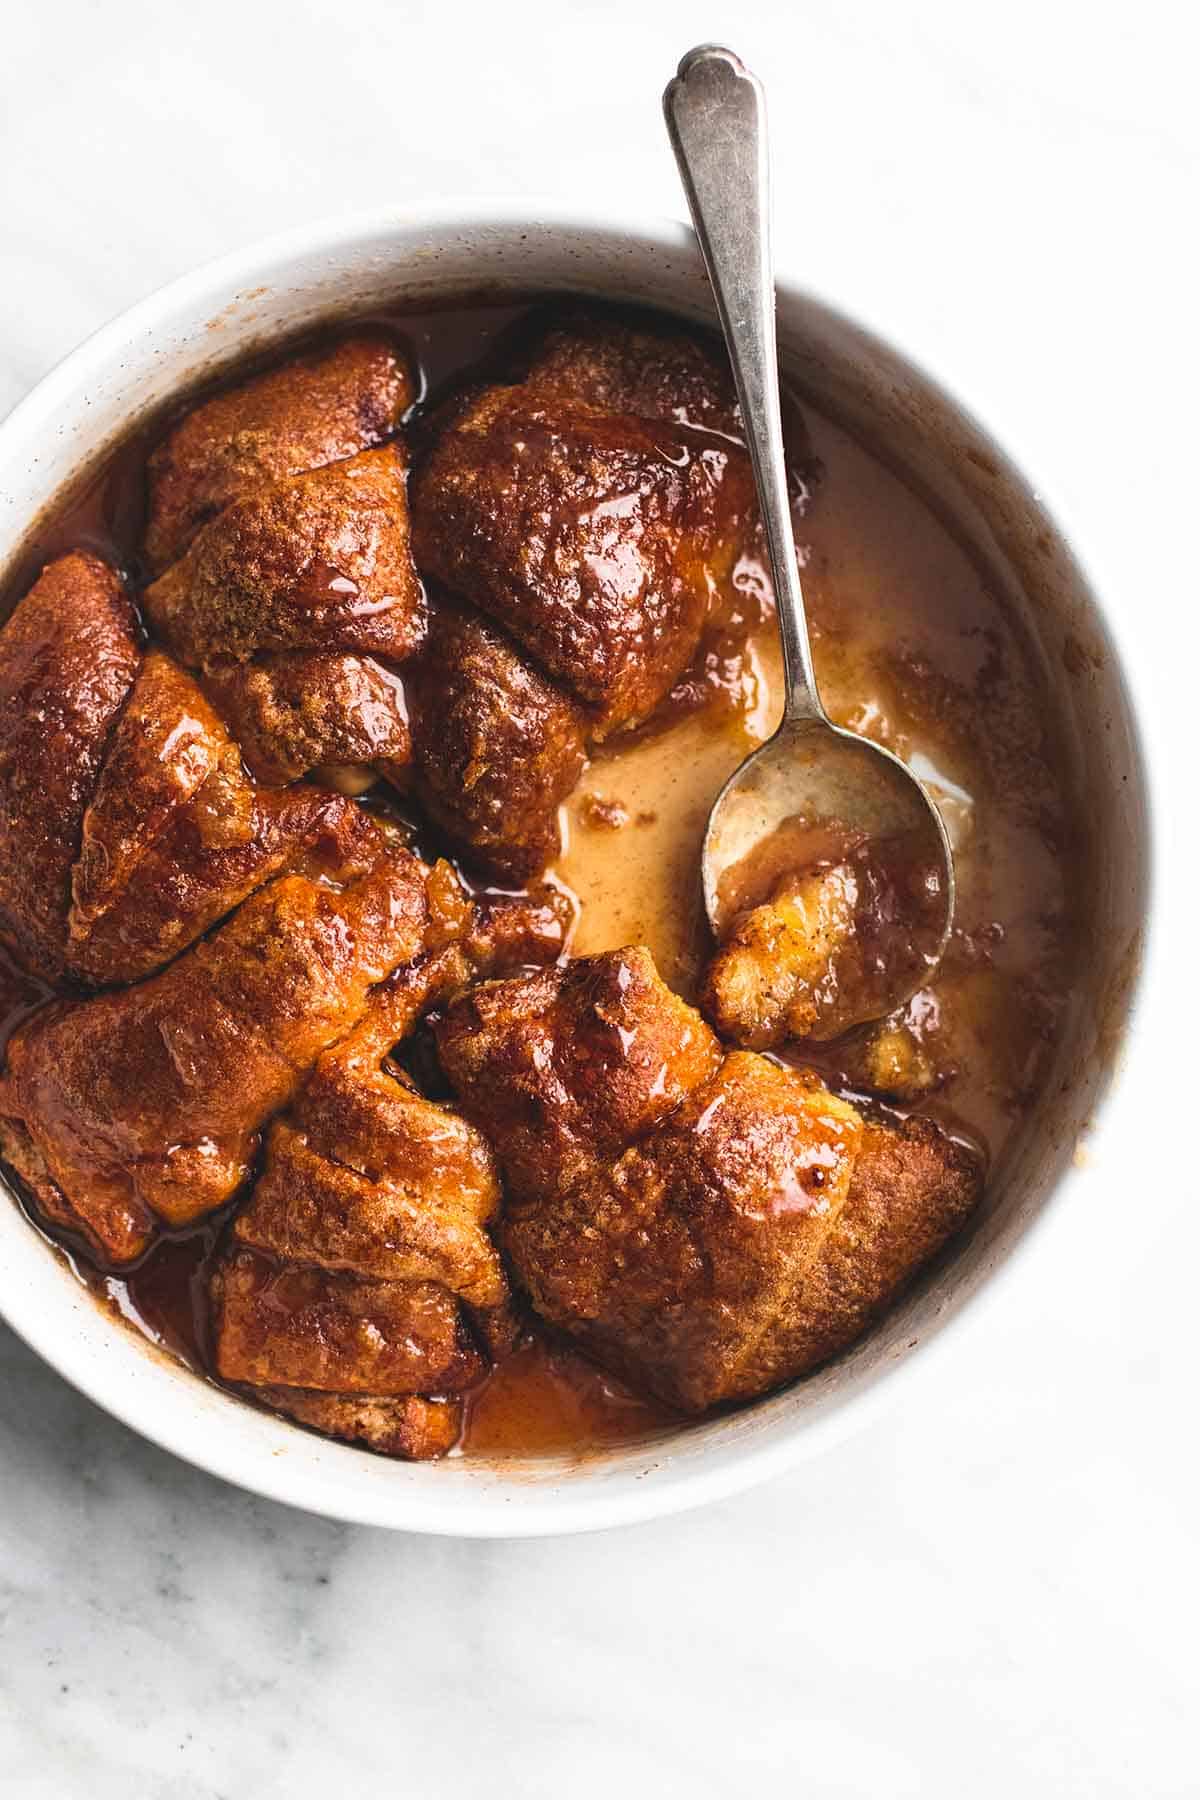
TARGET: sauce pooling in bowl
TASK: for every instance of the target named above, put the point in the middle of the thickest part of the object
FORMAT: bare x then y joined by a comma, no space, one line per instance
913,648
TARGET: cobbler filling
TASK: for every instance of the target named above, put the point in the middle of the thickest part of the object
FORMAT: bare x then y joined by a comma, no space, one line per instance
367,1048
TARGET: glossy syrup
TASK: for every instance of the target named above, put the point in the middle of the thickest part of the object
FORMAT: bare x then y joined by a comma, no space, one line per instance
912,647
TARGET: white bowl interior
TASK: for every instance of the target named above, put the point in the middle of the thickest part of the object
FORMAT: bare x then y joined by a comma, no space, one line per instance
188,333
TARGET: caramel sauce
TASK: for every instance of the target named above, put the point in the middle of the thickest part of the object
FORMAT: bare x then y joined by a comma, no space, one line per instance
912,647
794,846
547,1400
880,900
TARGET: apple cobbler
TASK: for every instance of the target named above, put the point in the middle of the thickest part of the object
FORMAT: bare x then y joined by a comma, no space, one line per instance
365,1040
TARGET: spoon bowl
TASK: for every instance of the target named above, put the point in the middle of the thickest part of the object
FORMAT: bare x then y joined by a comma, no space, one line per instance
812,774
814,771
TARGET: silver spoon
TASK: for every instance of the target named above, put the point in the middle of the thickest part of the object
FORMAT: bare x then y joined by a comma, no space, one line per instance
811,769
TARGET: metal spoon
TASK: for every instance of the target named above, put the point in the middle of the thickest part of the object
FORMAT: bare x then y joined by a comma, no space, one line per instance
811,769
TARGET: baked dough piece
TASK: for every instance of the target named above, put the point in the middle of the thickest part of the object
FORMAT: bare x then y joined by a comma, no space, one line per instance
68,658
412,1428
305,1327
683,1263
361,1266
563,1068
127,822
314,409
176,835
360,1274
593,502
318,561
611,361
141,1108
776,975
594,539
497,747
288,509
711,1232
298,710
751,1236
829,947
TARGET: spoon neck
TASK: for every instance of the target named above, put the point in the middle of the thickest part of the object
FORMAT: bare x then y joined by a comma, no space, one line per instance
802,700
802,708
758,393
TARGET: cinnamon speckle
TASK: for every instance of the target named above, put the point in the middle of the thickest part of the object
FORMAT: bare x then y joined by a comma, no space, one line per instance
599,814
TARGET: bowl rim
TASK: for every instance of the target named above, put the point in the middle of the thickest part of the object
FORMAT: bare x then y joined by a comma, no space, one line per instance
576,1507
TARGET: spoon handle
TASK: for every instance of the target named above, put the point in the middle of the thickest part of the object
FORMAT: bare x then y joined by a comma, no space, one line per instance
716,117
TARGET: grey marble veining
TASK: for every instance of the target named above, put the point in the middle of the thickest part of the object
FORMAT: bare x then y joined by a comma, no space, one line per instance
876,1618
992,1591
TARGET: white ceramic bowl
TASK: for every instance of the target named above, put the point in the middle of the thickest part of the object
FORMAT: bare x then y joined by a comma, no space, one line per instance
206,320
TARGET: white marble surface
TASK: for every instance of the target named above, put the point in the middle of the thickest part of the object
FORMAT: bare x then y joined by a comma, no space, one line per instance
993,1590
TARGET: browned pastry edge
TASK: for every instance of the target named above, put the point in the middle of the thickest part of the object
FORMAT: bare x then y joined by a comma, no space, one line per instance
316,408
151,1097
413,1428
128,1226
708,1227
68,657
299,710
372,1203
316,561
497,748
292,1324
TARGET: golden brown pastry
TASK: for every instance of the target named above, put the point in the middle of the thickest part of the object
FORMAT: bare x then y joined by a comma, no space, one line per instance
563,1068
412,1428
299,710
361,1265
300,1326
292,525
753,1235
912,1188
592,503
129,825
775,976
634,515
314,409
199,871
165,747
360,1273
142,1107
709,1226
610,361
368,1176
683,1263
520,931
593,539
497,748
68,657
318,561
595,500
176,835
827,949
616,360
